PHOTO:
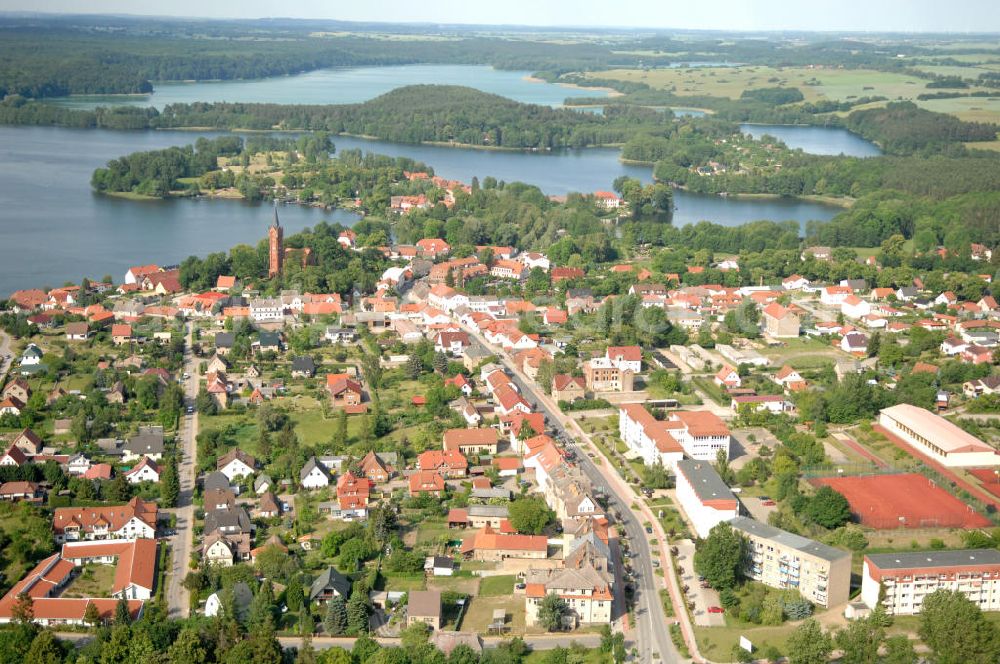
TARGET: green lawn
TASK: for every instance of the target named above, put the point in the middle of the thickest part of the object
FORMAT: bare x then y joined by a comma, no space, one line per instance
434,532
94,581
802,353
713,391
717,643
497,586
405,582
480,614
592,656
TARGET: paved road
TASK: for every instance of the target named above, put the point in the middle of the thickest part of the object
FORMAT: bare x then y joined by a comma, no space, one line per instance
652,636
178,599
5,350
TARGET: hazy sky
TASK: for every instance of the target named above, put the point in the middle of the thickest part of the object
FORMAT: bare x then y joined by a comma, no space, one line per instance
869,15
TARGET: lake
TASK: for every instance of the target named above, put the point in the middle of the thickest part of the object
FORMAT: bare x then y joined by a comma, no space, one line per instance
343,85
53,228
816,140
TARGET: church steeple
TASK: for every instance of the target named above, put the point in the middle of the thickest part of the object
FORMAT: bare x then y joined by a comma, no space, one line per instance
276,246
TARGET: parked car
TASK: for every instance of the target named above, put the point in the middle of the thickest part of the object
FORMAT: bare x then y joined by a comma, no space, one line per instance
649,529
768,503
716,609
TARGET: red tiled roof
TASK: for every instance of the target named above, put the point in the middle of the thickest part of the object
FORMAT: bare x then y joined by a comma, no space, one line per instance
626,353
701,424
115,516
425,480
507,463
655,429
488,539
136,560
435,459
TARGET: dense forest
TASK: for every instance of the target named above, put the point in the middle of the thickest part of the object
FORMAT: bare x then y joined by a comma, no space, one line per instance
429,113
412,114
156,172
905,128
125,55
120,54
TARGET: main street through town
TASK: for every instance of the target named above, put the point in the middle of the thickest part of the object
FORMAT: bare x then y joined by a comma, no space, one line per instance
652,638
182,540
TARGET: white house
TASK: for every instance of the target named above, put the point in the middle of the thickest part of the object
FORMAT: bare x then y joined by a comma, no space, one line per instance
533,259
854,342
795,282
774,403
267,309
31,356
78,464
236,463
447,298
728,377
625,357
834,295
145,471
439,566
953,346
854,307
313,475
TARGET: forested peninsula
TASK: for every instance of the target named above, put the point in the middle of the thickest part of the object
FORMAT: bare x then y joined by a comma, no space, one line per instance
411,114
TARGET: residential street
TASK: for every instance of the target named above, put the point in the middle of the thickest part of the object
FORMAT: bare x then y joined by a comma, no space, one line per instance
181,541
6,359
651,637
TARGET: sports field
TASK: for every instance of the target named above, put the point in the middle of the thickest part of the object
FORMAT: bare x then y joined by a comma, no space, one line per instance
907,500
989,478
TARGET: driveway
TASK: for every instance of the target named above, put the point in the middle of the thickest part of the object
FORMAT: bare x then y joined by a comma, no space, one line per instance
702,597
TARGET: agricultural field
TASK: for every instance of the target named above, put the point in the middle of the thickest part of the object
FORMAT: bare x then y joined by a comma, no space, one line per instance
817,84
839,84
973,109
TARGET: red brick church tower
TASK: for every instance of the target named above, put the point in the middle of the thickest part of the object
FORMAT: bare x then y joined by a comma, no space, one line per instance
276,237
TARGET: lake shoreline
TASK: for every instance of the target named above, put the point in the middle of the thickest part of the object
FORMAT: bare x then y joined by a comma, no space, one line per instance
610,91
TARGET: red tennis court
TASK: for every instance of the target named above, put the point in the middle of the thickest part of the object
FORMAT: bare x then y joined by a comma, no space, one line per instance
903,501
989,478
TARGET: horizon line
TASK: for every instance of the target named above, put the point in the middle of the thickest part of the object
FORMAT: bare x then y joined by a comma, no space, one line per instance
24,13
